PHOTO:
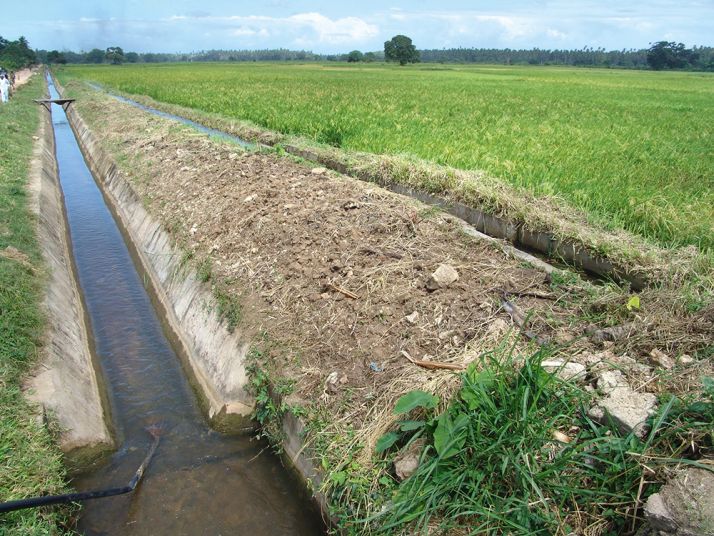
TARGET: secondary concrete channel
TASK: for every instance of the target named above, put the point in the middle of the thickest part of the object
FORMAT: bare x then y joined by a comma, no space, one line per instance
157,372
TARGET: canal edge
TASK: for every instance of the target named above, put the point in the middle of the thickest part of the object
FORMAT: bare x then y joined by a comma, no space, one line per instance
67,383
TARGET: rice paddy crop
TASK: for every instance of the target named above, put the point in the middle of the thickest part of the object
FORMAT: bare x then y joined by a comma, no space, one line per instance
632,149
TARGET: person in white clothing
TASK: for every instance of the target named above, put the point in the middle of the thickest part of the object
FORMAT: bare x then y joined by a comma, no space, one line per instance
4,88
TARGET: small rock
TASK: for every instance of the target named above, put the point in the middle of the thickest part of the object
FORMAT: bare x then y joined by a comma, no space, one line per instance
412,318
406,463
331,382
613,333
232,156
186,168
249,198
35,138
318,171
193,230
684,506
289,206
658,515
660,359
564,371
627,409
610,380
685,359
444,276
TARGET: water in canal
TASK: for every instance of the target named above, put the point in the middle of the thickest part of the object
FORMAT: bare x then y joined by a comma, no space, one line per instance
200,482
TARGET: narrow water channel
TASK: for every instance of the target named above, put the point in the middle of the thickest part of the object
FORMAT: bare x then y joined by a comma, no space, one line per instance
200,482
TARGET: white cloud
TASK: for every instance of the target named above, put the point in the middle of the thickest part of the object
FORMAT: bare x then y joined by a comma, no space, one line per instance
338,31
556,34
305,29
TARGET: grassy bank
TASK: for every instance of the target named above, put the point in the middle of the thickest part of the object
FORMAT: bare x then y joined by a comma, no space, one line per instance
630,148
30,463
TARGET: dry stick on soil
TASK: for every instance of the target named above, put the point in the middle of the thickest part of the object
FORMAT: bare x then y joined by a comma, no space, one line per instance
343,291
432,364
527,293
519,318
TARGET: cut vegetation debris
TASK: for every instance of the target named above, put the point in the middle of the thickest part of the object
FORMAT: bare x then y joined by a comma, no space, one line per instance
543,221
30,462
331,277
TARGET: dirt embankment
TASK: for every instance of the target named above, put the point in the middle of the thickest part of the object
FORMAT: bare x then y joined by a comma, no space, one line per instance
337,269
334,279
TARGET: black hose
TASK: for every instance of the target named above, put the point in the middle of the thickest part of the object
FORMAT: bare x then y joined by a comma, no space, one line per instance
34,502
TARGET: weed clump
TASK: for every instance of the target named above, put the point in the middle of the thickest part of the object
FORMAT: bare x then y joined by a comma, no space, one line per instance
514,452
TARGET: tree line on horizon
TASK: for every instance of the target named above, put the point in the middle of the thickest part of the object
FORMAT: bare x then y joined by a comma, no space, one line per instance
660,55
16,54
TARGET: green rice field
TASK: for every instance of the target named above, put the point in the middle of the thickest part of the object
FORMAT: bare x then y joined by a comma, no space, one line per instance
633,149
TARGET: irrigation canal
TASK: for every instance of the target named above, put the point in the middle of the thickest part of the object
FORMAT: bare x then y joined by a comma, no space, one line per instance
200,481
219,134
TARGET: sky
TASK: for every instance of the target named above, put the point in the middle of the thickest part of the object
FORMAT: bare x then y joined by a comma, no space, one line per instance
334,27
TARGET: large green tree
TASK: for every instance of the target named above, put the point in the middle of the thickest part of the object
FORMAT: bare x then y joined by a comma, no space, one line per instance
55,56
115,55
400,48
355,56
16,54
670,55
95,56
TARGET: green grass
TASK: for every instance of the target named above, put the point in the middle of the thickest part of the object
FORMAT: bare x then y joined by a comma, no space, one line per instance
633,149
491,463
30,463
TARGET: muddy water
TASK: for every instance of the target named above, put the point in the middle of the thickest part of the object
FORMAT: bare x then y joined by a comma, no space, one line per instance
199,482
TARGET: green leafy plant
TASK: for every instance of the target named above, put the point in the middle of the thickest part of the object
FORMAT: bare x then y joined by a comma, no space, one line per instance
494,462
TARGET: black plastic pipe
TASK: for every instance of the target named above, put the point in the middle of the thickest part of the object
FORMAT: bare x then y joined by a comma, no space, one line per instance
34,502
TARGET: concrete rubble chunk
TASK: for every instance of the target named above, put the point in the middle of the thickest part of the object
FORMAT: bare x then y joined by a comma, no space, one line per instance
685,359
407,462
412,318
628,409
564,370
610,380
660,359
443,276
332,382
684,506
